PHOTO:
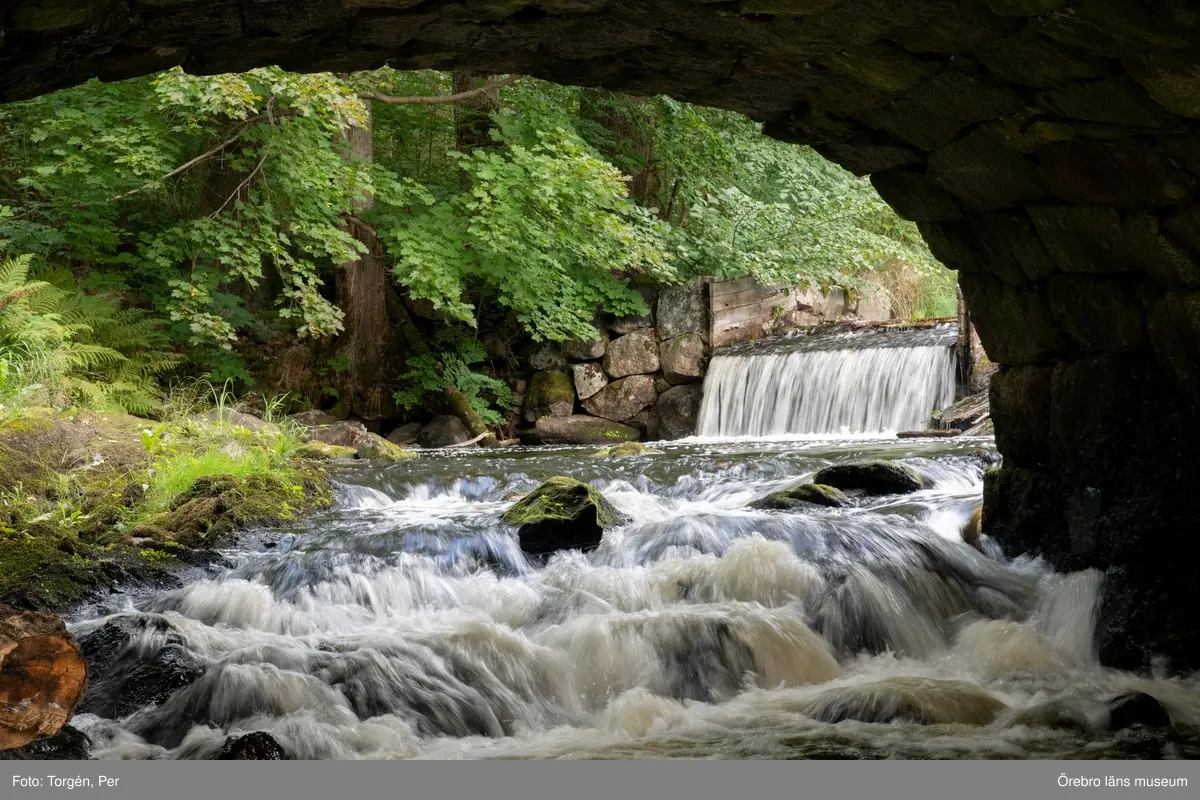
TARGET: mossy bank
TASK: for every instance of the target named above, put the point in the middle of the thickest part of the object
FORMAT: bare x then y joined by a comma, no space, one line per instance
89,500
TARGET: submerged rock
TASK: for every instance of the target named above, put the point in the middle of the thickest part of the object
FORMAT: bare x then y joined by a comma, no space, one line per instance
135,662
806,495
577,429
257,746
1137,708
871,478
629,449
562,514
925,701
971,532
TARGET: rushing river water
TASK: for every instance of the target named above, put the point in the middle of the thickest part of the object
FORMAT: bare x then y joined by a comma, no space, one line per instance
406,623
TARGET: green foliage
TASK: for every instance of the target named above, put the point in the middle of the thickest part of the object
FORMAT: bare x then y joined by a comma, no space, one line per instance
545,229
60,345
455,353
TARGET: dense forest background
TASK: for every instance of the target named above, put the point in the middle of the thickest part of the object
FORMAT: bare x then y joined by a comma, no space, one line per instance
381,242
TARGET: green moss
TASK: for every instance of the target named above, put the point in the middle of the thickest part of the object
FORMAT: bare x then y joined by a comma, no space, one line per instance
628,449
217,506
562,499
80,495
380,449
327,452
806,495
550,388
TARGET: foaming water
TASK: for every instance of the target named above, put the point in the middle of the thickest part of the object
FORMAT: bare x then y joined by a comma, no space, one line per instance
407,623
851,386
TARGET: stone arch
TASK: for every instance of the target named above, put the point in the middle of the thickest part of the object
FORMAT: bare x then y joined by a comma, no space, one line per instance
1047,148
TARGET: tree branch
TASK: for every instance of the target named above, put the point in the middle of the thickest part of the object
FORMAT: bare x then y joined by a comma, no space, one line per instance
257,168
437,99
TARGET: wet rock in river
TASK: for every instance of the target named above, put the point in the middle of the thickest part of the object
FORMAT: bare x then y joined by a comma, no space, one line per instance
562,514
257,746
798,498
135,662
871,478
1137,708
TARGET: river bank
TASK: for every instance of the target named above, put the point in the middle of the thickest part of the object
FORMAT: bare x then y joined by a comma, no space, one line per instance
90,502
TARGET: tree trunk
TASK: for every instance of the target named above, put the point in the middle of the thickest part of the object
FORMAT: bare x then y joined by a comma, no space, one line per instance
42,676
628,144
362,295
473,117
456,402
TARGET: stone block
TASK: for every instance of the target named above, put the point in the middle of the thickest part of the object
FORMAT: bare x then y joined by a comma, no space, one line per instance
915,197
985,174
1015,324
632,354
621,400
1102,314
551,394
1081,238
1120,173
684,309
1030,59
589,379
1113,101
1019,399
683,358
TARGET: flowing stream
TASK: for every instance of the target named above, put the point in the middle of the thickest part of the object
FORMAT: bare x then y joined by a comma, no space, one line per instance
862,382
406,623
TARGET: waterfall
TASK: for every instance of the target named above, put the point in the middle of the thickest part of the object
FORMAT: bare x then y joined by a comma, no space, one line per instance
857,383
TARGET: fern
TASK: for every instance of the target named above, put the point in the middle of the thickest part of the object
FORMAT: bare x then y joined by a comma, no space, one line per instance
60,345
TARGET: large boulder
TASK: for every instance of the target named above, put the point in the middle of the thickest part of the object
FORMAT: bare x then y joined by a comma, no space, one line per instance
313,418
637,322
405,434
633,354
622,400
682,358
806,495
589,379
347,434
676,413
443,431
684,309
551,394
871,478
561,514
342,433
577,429
42,676
237,419
577,350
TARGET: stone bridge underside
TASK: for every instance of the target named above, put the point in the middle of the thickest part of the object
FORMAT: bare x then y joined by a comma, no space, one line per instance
1048,149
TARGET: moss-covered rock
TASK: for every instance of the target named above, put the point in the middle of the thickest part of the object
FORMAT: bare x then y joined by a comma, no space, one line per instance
551,394
562,514
871,478
798,498
376,448
320,451
215,507
628,449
